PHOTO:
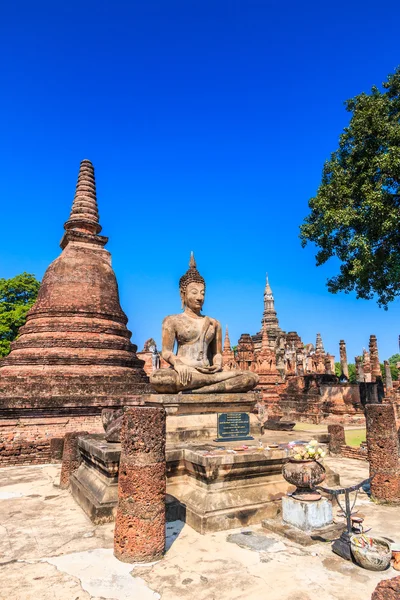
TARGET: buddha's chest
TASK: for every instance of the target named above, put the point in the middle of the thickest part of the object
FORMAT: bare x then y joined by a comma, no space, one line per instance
193,331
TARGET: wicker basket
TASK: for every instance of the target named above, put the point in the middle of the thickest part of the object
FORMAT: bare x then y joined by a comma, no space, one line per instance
367,558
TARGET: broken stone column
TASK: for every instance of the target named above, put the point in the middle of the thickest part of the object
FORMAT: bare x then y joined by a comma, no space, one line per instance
328,364
373,352
367,366
71,458
139,534
383,453
343,359
337,438
360,376
388,378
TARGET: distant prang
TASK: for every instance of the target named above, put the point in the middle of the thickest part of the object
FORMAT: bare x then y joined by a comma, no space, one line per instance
74,355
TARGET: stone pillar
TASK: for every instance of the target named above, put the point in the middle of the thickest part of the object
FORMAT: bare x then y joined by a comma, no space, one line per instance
383,453
367,366
139,534
373,352
343,359
337,438
71,457
388,378
328,364
360,376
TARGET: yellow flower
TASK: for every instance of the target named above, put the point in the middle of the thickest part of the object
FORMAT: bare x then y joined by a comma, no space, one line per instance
297,457
313,443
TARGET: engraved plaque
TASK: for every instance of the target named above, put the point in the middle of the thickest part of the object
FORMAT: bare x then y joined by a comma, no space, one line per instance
233,426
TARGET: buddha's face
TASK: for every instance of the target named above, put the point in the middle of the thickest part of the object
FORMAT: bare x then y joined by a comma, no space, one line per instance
193,297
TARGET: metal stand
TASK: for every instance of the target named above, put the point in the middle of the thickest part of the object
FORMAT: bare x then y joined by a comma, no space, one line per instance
342,545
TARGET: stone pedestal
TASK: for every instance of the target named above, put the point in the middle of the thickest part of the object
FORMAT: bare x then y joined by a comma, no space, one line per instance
209,488
193,417
305,515
210,492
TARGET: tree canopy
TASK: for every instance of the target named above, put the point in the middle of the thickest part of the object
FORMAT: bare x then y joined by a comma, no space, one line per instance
17,296
355,214
352,371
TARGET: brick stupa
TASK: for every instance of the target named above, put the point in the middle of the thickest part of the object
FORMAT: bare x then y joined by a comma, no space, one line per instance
73,356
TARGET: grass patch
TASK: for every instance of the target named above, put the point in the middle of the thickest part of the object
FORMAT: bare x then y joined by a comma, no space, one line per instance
309,427
354,437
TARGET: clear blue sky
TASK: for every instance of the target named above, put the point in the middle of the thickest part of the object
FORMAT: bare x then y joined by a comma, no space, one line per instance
208,122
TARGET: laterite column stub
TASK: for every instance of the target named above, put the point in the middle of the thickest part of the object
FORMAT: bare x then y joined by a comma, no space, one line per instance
337,438
139,534
71,457
383,452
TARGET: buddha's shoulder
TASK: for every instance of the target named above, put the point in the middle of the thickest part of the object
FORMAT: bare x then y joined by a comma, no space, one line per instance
170,319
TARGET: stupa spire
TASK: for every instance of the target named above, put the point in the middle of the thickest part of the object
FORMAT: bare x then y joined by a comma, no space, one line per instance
84,217
319,345
227,342
267,286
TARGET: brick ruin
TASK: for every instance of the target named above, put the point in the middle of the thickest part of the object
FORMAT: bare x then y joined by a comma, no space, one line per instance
74,355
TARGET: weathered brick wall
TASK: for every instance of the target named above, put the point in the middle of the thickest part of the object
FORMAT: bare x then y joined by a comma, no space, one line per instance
26,440
316,398
360,452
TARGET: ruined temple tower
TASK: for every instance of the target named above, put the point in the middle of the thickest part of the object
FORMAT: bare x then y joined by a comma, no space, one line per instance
269,318
228,356
74,355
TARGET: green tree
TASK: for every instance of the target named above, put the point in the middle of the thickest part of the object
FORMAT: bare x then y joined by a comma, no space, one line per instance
352,371
355,214
17,295
393,360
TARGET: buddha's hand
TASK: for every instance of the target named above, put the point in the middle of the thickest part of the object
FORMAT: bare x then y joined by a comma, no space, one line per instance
185,375
217,363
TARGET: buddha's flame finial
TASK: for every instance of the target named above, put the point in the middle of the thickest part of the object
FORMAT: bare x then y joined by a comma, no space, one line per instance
191,275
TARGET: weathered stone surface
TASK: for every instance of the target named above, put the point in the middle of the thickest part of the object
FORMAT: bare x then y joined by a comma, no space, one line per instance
305,515
71,457
142,484
56,449
337,437
143,435
383,452
389,589
140,522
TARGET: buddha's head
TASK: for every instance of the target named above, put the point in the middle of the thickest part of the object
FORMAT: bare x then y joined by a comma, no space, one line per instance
192,287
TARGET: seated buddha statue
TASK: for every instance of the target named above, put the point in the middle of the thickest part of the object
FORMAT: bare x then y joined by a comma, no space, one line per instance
196,366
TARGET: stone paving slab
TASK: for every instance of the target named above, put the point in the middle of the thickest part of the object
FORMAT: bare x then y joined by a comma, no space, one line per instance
49,550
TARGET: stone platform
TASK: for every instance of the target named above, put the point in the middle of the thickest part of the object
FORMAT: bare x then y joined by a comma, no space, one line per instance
194,416
210,485
209,488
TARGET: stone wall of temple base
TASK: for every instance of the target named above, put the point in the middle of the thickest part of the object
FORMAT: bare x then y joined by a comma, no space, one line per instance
314,399
28,440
